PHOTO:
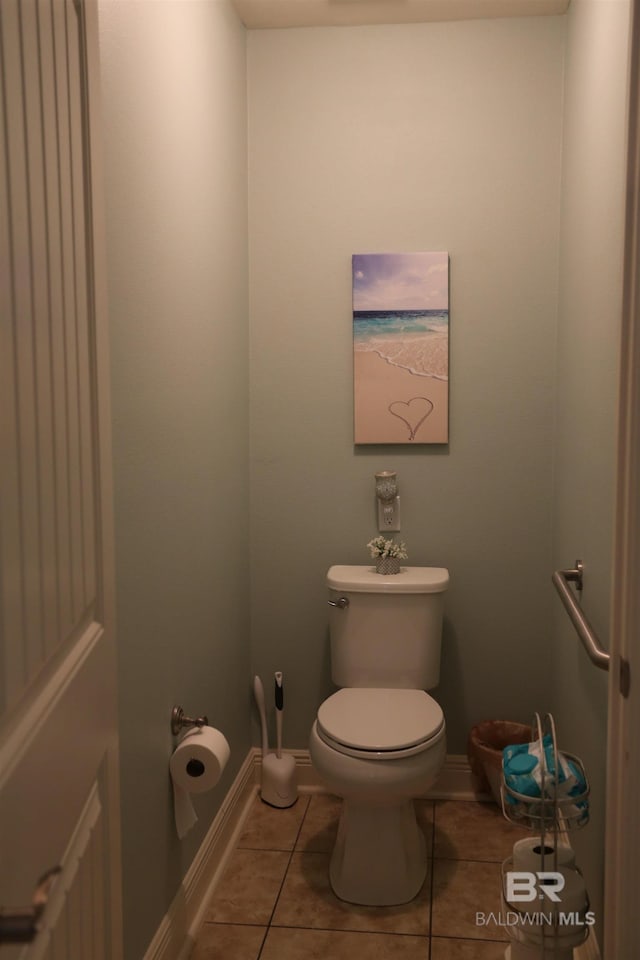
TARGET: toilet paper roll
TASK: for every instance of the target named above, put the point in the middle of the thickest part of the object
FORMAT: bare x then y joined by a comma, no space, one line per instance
573,896
528,854
196,765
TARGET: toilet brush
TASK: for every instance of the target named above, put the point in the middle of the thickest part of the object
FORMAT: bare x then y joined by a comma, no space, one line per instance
279,698
258,692
278,786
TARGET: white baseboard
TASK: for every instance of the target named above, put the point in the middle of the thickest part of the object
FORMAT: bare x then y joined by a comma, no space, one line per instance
176,935
454,783
308,780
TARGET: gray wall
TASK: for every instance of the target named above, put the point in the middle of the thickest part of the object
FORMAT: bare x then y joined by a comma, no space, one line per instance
590,300
423,137
174,90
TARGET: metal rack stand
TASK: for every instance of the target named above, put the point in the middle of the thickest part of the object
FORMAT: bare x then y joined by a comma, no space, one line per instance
546,815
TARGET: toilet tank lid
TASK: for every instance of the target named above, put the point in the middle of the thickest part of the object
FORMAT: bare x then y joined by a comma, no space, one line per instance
364,579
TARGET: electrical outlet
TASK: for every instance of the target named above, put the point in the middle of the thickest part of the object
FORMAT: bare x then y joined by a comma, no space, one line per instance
389,515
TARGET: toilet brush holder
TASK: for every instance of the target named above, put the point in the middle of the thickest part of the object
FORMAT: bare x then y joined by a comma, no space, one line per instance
279,787
279,769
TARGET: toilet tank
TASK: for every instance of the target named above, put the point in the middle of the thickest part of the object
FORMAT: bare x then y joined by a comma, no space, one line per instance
389,634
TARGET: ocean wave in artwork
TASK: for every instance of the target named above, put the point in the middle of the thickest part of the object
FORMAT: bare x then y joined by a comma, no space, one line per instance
416,340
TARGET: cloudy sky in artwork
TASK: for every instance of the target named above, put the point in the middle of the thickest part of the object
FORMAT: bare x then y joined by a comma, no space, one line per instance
400,281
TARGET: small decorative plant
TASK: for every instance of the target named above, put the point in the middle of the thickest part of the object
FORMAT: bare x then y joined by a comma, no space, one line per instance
381,548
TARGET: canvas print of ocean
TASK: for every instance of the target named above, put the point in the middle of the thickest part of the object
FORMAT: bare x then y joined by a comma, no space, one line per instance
401,347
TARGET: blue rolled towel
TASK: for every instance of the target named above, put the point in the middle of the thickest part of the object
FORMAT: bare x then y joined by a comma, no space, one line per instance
522,769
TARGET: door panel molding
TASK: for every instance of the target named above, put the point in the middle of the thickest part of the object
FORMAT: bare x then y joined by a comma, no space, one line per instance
58,680
37,714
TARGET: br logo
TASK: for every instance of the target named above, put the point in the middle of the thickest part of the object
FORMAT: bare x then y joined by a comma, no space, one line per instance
524,886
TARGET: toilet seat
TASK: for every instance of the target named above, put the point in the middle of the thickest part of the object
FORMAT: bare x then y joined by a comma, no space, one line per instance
380,724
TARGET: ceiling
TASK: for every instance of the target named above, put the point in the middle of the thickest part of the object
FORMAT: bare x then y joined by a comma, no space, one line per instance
266,14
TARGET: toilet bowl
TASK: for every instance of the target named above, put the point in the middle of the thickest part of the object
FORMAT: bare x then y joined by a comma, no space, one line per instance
378,749
379,741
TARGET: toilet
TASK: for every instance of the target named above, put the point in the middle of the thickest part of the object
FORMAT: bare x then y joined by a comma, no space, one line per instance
379,741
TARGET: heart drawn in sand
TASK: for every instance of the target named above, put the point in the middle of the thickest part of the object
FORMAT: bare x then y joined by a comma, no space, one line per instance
412,412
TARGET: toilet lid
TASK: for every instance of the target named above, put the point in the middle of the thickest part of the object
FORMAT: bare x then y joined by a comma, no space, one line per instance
375,719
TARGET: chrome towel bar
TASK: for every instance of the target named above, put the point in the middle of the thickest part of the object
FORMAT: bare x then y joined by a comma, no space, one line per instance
561,580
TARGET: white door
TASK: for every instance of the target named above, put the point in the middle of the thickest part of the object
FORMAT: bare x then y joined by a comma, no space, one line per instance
622,852
58,730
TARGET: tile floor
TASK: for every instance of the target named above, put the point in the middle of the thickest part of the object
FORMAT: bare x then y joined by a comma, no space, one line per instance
275,903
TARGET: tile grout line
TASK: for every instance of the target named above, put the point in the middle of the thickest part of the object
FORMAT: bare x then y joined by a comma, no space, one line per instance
357,931
284,878
433,871
469,860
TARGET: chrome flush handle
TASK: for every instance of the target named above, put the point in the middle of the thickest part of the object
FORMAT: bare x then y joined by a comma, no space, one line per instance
341,602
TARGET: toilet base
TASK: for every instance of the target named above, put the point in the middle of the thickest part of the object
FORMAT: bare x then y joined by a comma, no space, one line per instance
386,871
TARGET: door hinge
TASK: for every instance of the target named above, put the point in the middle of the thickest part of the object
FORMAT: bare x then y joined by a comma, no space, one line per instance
625,677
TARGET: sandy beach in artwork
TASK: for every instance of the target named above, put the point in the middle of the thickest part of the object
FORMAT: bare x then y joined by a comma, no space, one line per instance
392,405
401,347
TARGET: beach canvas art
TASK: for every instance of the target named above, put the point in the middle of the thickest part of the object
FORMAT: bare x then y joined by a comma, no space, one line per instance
401,347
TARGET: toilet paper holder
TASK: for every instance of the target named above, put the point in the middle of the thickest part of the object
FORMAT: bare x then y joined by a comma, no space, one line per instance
179,721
